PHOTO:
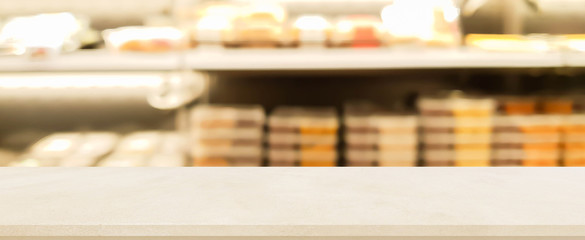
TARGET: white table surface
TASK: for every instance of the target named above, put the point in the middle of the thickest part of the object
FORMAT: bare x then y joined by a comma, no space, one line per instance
297,202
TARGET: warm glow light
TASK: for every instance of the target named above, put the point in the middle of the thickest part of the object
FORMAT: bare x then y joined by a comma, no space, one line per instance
214,22
44,30
58,145
344,26
415,18
46,80
139,145
578,45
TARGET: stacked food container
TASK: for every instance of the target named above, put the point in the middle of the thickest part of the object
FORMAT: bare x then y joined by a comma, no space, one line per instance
456,131
378,138
507,147
303,136
574,141
223,135
531,140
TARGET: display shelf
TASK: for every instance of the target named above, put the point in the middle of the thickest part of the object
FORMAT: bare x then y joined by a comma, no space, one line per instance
219,59
93,60
574,59
292,203
358,59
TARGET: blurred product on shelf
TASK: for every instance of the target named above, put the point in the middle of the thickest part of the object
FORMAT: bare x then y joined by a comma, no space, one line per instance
510,42
227,135
557,105
311,30
45,35
303,136
574,141
359,31
105,149
374,137
456,130
259,24
144,39
516,105
144,149
575,42
532,140
211,24
426,22
69,149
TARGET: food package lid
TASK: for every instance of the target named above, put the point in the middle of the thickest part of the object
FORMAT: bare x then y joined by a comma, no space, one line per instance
455,100
115,38
56,145
575,119
529,120
228,133
228,112
289,116
275,10
382,120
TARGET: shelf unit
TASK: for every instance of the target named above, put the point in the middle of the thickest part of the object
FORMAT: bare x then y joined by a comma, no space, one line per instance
219,59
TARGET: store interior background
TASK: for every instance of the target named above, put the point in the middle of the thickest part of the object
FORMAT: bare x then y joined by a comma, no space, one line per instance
28,115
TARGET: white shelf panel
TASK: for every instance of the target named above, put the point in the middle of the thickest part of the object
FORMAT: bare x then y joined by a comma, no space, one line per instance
574,59
356,59
92,60
284,59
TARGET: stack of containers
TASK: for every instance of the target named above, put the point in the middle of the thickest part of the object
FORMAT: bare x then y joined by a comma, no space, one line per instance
378,138
303,137
456,131
507,148
360,134
531,140
574,141
574,134
224,135
397,140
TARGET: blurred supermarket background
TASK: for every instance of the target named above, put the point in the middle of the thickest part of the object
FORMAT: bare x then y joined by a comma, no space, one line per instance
292,83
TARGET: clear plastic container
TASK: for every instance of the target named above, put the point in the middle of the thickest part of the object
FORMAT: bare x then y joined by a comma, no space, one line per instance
359,31
422,22
310,132
43,35
144,39
312,30
259,24
227,116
